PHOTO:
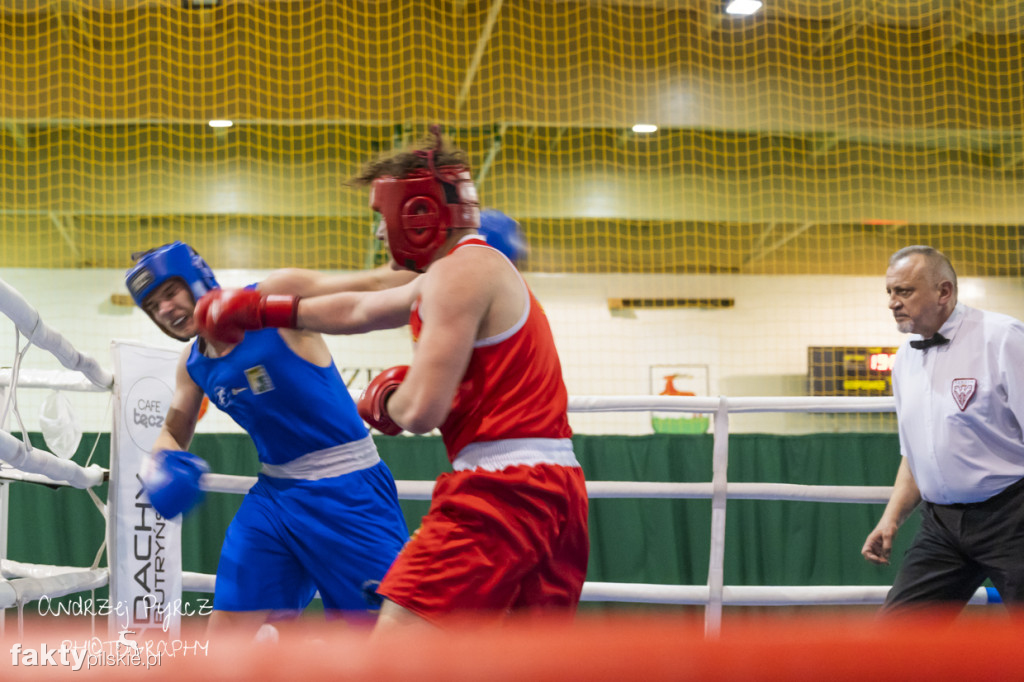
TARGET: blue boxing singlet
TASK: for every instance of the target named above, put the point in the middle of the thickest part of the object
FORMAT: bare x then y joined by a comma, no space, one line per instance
324,513
289,406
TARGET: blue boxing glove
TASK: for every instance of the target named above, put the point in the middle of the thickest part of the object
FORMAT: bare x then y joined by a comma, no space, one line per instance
171,480
503,233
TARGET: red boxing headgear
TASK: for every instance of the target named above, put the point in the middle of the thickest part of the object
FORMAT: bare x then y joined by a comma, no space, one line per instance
419,209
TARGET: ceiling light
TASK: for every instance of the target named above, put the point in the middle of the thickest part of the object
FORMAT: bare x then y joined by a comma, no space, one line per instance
744,7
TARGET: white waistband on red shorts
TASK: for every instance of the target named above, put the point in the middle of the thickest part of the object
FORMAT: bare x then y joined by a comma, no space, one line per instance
327,463
495,455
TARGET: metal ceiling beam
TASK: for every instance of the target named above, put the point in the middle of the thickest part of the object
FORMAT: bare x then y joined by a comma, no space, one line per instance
492,153
478,53
63,222
787,237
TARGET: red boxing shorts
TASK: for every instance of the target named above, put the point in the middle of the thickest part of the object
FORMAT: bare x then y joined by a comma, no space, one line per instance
515,540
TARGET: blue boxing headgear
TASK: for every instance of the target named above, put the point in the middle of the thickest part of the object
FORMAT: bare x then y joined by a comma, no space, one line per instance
176,259
503,233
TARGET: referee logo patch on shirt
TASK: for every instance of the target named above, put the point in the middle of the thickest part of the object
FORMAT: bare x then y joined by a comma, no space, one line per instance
963,391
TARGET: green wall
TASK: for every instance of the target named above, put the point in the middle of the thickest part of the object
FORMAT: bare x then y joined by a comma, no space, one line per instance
644,541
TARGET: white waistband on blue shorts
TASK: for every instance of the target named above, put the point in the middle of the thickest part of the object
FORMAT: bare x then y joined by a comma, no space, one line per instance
327,463
495,455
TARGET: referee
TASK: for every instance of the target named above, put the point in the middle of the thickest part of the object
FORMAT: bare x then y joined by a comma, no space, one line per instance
958,382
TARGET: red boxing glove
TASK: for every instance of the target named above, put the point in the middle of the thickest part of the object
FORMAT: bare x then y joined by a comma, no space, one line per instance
226,314
373,403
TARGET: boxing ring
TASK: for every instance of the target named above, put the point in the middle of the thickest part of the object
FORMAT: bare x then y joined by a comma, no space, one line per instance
125,513
24,583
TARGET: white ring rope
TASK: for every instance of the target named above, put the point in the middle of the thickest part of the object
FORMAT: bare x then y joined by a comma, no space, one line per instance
26,319
672,403
42,463
693,595
197,582
421,490
748,595
25,582
57,379
715,594
18,569
23,590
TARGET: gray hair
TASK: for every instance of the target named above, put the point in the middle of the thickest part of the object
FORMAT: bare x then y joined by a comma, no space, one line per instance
938,265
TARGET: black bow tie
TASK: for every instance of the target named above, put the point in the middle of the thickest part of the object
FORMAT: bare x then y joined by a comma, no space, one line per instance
937,340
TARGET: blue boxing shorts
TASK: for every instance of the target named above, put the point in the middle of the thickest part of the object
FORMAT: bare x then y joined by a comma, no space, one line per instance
292,537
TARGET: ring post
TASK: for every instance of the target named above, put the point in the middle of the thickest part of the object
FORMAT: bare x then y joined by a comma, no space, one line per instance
719,494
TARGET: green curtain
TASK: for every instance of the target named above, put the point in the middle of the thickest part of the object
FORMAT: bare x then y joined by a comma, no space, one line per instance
641,541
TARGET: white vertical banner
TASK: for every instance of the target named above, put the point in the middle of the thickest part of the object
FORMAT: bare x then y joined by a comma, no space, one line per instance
144,549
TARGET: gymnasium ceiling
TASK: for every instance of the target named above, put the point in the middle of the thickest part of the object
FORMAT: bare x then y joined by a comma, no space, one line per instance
762,163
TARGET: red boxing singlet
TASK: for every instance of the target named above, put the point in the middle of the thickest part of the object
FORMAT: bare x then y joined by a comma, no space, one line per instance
513,385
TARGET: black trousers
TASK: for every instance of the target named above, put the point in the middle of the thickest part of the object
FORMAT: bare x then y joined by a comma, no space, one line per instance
957,548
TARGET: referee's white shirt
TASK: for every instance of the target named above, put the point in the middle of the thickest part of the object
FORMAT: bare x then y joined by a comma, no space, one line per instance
960,407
